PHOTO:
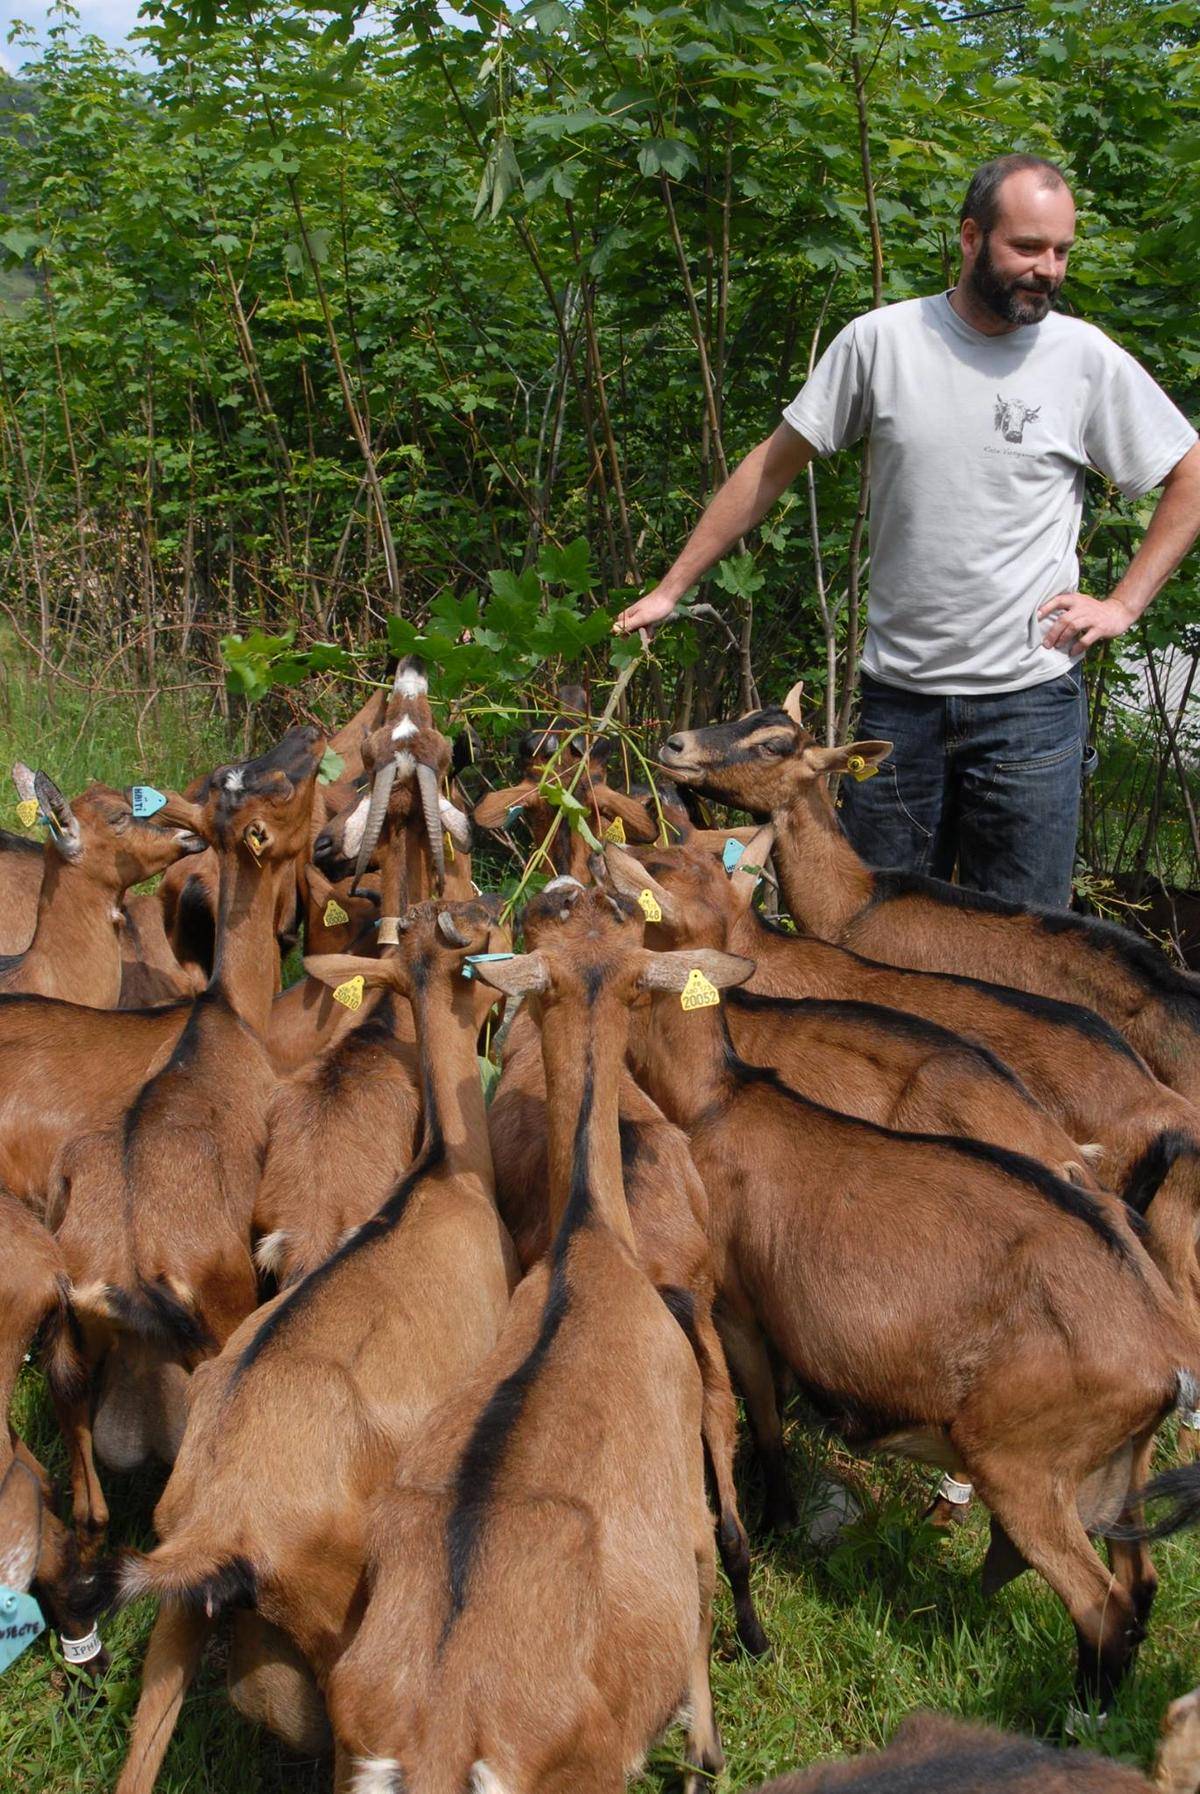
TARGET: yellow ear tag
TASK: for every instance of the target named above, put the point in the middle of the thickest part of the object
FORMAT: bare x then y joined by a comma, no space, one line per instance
450,853
858,769
27,810
616,832
350,994
698,993
649,906
334,914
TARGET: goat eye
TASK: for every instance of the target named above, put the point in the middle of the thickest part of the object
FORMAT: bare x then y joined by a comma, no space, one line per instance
776,747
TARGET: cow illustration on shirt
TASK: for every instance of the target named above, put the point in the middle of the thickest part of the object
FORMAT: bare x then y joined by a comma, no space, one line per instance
1011,416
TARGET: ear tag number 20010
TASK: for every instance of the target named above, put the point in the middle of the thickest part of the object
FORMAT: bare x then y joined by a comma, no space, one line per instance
698,993
350,994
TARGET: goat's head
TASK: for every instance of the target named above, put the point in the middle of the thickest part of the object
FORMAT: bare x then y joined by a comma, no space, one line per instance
554,748
336,916
584,947
99,833
404,760
433,941
765,760
260,809
686,894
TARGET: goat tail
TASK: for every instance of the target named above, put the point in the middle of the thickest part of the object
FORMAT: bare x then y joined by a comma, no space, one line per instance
60,1349
155,1309
175,1571
1180,1486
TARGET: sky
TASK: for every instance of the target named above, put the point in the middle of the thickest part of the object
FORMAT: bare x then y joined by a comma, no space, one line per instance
112,20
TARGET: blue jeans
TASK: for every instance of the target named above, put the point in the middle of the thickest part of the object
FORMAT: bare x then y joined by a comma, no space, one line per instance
988,784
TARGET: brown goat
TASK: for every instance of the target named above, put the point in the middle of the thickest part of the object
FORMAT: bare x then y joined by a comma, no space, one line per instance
934,1754
542,1561
768,763
866,1060
150,972
154,1211
20,882
295,1425
95,849
947,1300
668,1209
34,1546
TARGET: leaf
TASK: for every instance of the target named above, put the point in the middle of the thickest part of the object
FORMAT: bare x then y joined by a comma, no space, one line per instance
666,155
570,566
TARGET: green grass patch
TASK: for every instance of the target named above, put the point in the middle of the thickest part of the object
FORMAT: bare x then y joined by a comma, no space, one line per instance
888,1620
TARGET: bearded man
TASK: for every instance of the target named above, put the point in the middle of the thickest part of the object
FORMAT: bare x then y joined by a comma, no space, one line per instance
983,408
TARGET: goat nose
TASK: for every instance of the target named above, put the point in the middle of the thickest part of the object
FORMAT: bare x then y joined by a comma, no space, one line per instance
673,744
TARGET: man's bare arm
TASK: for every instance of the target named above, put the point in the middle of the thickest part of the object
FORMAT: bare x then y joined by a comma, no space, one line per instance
1078,620
742,501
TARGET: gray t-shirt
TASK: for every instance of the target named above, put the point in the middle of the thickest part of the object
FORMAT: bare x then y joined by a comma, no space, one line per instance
978,451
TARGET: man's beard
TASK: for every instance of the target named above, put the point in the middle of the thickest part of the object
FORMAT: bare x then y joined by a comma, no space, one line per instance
1011,301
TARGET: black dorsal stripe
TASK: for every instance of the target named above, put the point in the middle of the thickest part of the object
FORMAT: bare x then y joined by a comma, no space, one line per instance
1069,1198
482,1460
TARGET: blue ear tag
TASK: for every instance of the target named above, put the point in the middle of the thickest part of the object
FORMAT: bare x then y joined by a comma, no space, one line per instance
731,853
20,1623
145,801
474,959
515,812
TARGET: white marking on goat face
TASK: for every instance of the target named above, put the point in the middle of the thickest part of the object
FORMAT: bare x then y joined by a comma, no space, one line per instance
352,828
404,728
412,685
234,780
484,1780
376,1775
268,1254
405,766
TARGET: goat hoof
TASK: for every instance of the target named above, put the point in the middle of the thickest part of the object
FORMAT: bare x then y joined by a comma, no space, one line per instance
751,1636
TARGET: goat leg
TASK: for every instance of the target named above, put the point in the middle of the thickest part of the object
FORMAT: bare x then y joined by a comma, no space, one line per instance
719,1427
704,1753
749,1360
89,1510
172,1659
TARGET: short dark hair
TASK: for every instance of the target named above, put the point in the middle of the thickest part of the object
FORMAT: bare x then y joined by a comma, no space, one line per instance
983,195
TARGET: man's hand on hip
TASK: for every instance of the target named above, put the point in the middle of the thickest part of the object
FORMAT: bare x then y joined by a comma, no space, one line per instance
1078,622
647,613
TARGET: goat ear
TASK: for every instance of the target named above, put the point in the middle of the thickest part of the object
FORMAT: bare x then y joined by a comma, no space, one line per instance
635,815
491,811
747,870
20,1526
181,812
842,759
630,878
23,780
525,974
338,968
791,703
671,971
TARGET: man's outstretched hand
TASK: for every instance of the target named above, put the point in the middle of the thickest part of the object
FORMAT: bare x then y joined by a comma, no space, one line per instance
646,614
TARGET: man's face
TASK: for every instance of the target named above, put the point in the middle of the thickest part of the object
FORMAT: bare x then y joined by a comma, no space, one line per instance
1016,269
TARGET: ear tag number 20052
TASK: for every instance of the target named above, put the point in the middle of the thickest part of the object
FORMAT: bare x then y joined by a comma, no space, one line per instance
698,993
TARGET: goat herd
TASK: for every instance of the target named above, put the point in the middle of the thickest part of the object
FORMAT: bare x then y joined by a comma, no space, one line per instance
443,1386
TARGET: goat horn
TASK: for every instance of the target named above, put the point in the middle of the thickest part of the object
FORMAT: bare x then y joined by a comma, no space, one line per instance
381,790
449,930
427,785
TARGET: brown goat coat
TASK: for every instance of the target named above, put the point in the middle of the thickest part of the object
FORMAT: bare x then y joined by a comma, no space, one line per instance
160,1203
668,1210
20,882
75,953
582,1613
935,1298
924,923
293,1427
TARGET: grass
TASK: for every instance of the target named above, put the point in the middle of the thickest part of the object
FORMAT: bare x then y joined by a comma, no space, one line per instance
890,1619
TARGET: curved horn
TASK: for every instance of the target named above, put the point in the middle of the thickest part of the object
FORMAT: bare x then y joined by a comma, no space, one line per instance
427,785
449,930
381,790
65,829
